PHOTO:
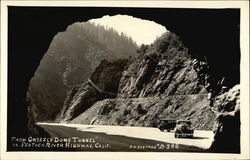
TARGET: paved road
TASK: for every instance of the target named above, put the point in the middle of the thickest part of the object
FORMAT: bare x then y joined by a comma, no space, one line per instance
120,138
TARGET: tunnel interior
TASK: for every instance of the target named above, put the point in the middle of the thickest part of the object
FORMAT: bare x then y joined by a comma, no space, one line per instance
213,33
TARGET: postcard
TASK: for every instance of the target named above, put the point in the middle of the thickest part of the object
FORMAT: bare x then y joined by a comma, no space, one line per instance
124,80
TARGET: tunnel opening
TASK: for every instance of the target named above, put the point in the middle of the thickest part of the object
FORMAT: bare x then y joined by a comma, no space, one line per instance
213,33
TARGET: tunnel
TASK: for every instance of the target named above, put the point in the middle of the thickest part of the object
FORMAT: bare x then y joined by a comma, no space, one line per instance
210,33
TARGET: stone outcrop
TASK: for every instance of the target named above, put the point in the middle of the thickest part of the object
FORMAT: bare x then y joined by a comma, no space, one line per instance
227,125
103,83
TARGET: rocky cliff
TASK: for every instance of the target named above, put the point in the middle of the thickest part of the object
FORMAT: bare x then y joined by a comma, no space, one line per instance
163,82
103,83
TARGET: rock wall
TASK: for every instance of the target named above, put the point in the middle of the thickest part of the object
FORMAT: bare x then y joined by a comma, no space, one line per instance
227,125
165,69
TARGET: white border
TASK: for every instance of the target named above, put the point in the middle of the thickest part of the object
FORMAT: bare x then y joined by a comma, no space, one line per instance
244,43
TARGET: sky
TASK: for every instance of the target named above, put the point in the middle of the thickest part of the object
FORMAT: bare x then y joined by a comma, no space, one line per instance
140,30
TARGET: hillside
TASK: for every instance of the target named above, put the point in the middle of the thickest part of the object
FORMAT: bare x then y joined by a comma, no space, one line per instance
71,58
163,82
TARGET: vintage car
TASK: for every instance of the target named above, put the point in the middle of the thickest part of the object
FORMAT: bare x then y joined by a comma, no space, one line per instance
167,124
183,129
